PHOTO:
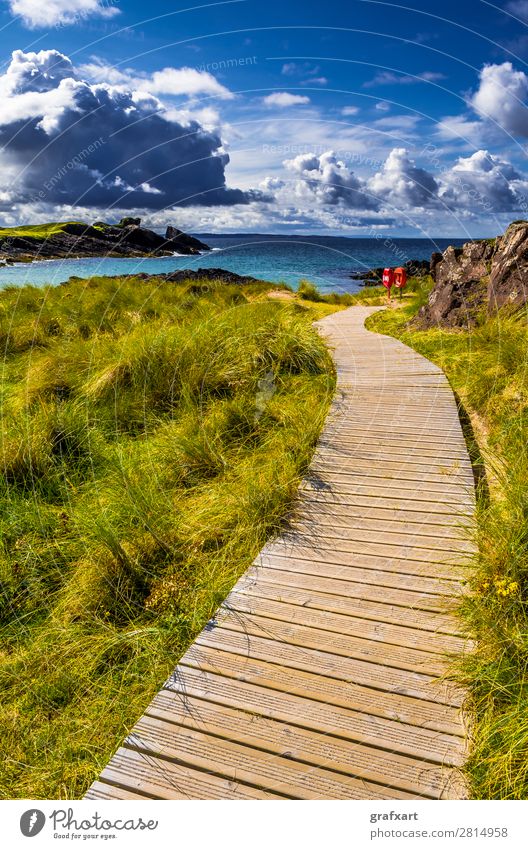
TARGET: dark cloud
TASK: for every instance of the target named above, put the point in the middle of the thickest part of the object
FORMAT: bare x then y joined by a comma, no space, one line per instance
68,141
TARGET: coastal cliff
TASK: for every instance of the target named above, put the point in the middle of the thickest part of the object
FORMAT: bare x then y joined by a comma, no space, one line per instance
74,239
480,277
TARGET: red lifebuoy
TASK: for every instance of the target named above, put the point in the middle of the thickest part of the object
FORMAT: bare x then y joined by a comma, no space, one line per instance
388,278
400,277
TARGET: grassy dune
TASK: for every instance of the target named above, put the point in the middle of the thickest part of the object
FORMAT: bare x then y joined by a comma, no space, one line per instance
488,369
36,231
153,436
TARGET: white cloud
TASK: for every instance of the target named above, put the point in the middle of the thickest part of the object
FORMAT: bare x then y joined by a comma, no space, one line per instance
461,127
295,69
315,81
484,183
382,106
48,13
502,96
329,181
389,78
402,182
283,99
348,111
173,82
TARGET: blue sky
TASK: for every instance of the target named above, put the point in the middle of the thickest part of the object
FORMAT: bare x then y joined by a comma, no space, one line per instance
269,117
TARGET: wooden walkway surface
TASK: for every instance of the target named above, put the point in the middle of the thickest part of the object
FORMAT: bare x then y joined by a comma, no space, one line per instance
321,675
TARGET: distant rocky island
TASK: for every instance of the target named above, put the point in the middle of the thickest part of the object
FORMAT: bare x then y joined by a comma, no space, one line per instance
74,239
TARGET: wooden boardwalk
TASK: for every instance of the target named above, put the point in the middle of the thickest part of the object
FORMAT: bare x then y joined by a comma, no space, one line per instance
321,675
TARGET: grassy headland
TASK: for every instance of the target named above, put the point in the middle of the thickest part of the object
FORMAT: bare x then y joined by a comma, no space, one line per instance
153,438
488,369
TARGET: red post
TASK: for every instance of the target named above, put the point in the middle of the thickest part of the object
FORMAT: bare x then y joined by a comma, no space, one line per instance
400,279
388,280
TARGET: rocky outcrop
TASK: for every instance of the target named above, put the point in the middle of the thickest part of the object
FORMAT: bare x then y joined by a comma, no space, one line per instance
74,239
481,276
198,277
508,282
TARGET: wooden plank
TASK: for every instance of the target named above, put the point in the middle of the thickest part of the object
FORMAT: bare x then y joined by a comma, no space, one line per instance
381,520
331,555
363,609
285,611
296,574
411,548
157,778
394,536
422,658
273,773
313,565
295,743
312,494
100,790
342,511
304,665
258,683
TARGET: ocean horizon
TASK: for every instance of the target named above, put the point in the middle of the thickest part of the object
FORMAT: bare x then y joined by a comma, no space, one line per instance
327,261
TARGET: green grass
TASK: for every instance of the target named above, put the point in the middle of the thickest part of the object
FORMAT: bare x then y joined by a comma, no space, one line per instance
153,438
365,296
36,231
487,368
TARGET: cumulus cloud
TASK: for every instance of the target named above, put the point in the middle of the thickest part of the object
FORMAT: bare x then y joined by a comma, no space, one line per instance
328,180
36,13
348,111
382,106
66,140
402,183
484,182
283,99
502,96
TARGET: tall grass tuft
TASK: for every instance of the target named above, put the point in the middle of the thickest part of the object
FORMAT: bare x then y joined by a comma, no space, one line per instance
153,438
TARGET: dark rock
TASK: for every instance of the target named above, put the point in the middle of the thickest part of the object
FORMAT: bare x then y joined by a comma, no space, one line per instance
200,277
182,242
417,267
436,258
508,283
217,275
128,221
486,274
373,277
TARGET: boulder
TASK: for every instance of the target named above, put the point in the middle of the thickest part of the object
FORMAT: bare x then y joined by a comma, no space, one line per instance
128,221
182,242
460,286
508,282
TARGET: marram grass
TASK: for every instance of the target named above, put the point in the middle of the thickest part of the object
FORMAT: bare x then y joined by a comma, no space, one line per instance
153,438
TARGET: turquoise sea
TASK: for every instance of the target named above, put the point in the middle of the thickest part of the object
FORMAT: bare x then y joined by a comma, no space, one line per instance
327,261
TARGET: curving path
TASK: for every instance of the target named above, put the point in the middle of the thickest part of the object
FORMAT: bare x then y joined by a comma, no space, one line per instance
321,675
